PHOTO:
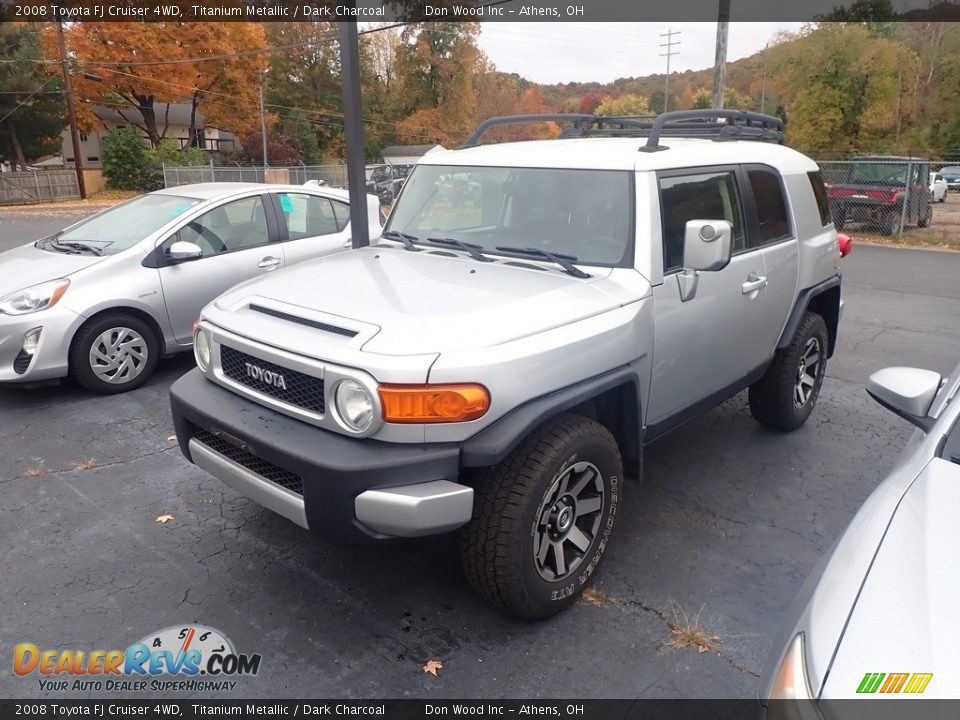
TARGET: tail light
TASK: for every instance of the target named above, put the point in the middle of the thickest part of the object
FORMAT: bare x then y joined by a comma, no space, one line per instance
845,243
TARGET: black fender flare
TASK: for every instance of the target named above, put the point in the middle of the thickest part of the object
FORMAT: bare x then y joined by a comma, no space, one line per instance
492,444
827,306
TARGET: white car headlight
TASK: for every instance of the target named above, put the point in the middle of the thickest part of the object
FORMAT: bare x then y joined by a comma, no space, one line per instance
355,405
201,348
34,298
790,694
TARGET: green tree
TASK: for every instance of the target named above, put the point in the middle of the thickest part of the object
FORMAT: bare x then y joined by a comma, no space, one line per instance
703,99
624,105
124,159
839,86
31,106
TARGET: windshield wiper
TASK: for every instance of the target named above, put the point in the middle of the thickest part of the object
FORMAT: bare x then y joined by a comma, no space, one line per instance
472,248
564,261
78,247
73,248
407,240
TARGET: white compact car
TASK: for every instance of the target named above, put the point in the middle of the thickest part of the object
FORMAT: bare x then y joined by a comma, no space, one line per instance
103,299
938,187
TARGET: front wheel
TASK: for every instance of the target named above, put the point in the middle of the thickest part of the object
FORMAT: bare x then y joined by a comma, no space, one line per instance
786,394
543,518
114,353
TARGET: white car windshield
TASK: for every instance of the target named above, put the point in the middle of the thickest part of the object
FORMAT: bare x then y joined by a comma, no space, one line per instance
586,214
123,226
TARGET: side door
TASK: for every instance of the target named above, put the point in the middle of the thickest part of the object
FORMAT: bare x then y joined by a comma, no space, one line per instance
313,225
709,341
238,240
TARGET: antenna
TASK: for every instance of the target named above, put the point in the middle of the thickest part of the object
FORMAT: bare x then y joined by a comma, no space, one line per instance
670,52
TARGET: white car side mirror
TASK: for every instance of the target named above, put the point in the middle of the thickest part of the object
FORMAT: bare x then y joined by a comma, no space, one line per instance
909,392
183,250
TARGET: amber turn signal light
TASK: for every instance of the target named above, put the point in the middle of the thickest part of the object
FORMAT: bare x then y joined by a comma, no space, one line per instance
433,403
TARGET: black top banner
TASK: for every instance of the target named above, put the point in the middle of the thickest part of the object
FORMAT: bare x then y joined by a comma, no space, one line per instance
471,10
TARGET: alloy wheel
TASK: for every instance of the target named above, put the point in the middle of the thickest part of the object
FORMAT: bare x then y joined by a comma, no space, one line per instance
807,370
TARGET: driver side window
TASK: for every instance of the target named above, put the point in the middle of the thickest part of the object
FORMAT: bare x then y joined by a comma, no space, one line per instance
237,225
705,196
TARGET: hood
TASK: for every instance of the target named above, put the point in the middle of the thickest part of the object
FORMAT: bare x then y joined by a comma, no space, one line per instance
905,619
27,265
422,302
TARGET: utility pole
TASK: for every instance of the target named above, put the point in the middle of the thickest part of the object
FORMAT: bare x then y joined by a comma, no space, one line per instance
720,64
71,115
763,85
668,54
353,122
263,124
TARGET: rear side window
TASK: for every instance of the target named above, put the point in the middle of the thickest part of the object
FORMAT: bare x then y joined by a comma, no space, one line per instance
771,209
820,193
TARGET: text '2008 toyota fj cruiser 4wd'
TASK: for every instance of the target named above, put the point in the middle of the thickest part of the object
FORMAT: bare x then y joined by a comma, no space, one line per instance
533,314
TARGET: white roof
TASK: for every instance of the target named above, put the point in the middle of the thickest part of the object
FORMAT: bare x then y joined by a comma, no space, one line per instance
210,191
624,154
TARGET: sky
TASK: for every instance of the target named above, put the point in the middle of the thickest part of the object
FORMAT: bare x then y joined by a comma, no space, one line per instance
584,52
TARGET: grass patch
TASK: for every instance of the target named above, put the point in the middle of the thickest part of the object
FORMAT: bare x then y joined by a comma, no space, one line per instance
688,632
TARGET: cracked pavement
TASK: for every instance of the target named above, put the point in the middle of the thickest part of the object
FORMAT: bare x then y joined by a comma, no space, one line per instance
728,522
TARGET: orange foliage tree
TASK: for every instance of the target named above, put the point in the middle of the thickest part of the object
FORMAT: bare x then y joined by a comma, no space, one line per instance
134,65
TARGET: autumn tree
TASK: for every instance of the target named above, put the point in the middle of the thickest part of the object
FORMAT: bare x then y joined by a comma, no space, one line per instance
436,94
31,106
703,99
624,105
132,66
305,76
838,84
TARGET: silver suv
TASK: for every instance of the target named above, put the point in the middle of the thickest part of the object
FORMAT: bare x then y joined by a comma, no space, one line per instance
533,314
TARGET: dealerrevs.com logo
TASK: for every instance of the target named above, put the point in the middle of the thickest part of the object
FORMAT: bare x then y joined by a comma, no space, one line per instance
182,658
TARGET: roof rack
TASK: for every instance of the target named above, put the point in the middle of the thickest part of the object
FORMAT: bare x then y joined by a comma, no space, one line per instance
738,125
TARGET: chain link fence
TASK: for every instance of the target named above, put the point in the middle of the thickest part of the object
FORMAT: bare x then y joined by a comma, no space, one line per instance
887,195
384,181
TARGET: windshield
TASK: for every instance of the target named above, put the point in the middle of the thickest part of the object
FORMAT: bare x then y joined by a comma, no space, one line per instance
123,226
874,173
582,213
950,170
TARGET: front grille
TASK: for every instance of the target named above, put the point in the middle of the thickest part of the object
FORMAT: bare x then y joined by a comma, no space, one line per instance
263,468
298,389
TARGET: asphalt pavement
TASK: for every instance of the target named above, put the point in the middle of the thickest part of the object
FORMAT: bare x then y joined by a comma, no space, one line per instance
729,520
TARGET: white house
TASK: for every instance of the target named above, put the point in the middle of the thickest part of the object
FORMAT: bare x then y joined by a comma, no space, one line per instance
176,122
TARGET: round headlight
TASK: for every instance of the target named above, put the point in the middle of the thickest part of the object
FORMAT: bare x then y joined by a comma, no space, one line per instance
354,405
201,349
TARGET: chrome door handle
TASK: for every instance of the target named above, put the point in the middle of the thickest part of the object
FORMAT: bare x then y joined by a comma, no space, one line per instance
754,282
269,263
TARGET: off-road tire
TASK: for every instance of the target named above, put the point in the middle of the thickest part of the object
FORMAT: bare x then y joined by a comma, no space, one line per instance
498,545
773,398
79,357
890,222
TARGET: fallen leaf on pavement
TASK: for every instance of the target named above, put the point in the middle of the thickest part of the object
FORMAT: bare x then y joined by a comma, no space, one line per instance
172,438
163,519
432,667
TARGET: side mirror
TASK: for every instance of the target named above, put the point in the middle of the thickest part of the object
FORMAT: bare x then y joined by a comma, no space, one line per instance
183,250
706,248
909,392
706,245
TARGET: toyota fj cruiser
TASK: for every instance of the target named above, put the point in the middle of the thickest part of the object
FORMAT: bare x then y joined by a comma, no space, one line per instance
532,316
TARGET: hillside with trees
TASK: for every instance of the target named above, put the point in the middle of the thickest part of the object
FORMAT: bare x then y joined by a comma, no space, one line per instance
842,87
